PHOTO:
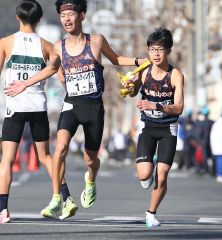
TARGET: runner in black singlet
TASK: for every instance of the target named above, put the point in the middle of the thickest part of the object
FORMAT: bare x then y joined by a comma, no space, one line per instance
162,102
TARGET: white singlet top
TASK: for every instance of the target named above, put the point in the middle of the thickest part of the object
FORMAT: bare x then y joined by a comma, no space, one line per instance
25,61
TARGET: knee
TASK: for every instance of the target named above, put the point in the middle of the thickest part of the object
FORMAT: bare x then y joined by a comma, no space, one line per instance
143,175
161,181
61,149
5,169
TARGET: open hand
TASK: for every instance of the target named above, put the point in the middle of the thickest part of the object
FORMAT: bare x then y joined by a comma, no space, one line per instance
15,88
145,105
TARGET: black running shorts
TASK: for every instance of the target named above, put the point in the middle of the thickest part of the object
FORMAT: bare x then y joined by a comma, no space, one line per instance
165,135
13,126
89,114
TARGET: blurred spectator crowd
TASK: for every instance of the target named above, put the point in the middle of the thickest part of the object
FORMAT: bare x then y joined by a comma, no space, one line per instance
199,145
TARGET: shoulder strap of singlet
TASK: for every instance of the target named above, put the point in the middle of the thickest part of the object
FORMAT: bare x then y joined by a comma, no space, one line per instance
148,75
63,46
87,38
87,46
169,70
150,69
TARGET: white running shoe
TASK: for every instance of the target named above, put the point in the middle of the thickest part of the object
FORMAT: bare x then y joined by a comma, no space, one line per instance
148,183
151,220
5,216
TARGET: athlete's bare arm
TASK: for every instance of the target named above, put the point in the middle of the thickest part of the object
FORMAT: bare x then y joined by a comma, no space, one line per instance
48,54
177,81
2,54
102,44
6,45
19,86
47,49
61,76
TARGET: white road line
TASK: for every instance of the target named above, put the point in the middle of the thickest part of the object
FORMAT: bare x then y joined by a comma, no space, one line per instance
105,174
91,224
107,221
109,216
178,175
210,220
119,218
21,179
26,215
105,218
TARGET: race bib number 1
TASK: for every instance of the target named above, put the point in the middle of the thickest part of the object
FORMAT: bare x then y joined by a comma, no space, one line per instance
154,113
157,114
81,83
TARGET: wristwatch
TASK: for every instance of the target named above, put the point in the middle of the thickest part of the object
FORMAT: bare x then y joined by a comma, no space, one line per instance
159,107
136,61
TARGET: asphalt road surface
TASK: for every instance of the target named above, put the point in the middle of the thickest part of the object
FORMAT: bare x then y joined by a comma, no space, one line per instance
192,208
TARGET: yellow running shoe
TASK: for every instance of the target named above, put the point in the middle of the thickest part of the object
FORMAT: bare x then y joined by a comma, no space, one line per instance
69,208
54,209
88,196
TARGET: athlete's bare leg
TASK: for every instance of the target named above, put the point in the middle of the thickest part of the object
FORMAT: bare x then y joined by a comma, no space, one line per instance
92,162
61,151
160,188
144,170
9,150
42,149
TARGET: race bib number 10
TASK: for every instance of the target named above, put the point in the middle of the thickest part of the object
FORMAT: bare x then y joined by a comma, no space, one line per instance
25,71
81,83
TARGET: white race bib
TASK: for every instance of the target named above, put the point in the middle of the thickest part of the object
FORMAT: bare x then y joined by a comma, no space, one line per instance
81,83
155,113
24,71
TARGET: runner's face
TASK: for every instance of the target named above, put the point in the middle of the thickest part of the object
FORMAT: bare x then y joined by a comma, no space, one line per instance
158,54
71,21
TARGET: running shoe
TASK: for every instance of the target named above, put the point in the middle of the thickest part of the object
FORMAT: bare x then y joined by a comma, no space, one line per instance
5,216
88,196
69,208
54,209
151,220
148,183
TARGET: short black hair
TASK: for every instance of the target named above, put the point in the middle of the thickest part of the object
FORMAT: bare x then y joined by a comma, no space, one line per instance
81,4
29,11
161,36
